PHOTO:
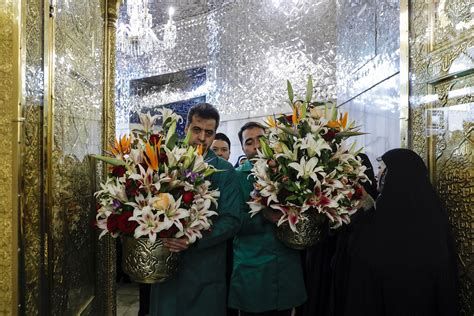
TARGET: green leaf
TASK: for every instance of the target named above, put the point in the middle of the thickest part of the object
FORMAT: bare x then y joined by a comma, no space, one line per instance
309,89
187,138
349,134
289,131
110,160
171,137
291,95
267,151
304,109
334,112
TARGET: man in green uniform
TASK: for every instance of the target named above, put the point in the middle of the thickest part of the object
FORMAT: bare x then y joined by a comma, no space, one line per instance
267,278
199,286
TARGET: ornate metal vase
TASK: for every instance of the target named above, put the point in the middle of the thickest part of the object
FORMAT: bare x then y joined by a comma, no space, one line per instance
309,231
147,263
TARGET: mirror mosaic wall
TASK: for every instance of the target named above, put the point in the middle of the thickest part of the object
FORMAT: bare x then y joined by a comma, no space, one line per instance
250,48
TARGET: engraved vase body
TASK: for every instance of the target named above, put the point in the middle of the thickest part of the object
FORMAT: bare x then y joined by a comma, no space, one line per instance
309,231
147,262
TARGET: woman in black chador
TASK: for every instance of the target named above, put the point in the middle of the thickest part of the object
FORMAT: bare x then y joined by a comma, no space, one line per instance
327,262
403,261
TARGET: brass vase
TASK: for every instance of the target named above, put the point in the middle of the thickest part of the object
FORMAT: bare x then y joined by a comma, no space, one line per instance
147,263
309,231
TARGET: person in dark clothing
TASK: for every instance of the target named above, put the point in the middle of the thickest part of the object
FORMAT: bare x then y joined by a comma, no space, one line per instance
403,261
347,237
326,261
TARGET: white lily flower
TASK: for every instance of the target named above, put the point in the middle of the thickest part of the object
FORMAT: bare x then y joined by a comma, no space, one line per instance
148,224
147,121
291,213
168,113
313,146
175,155
137,156
199,164
174,213
288,154
307,169
255,207
269,189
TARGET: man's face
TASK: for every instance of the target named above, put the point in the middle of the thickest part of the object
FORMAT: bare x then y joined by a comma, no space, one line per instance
221,148
382,172
250,141
203,132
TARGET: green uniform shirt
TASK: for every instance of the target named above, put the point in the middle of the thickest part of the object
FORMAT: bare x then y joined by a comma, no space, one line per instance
266,275
199,286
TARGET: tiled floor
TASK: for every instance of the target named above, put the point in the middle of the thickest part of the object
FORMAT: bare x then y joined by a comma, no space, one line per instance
127,299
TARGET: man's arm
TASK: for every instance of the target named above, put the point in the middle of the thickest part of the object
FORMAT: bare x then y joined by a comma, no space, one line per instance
227,222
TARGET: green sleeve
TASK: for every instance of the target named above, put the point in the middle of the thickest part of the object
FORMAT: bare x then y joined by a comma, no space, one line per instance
228,220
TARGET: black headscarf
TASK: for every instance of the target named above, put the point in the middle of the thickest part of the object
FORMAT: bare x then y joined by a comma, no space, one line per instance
405,260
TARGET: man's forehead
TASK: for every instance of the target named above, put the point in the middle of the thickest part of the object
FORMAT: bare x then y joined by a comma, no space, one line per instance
255,131
196,120
220,143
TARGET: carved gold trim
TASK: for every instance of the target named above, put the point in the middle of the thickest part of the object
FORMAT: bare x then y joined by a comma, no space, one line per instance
108,134
10,150
18,143
404,73
48,141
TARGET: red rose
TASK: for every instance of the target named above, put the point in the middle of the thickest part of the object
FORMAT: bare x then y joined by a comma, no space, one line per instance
358,192
154,139
169,233
329,136
124,225
112,223
131,187
163,158
188,197
118,171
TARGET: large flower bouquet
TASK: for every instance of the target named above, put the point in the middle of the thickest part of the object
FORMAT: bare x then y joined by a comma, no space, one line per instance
306,165
157,185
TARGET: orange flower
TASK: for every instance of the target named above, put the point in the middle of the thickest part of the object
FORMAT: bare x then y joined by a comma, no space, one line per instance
199,149
341,123
151,156
295,117
271,122
122,146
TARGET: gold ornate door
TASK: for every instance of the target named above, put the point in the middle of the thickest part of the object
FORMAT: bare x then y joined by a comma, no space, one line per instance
441,103
66,104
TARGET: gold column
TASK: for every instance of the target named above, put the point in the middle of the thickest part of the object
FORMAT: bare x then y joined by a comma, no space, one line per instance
10,150
404,74
108,135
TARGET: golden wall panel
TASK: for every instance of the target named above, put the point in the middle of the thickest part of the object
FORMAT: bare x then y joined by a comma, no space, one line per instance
76,133
32,179
442,119
7,100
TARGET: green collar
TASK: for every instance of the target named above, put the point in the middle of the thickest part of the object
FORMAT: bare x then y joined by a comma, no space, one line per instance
246,166
210,155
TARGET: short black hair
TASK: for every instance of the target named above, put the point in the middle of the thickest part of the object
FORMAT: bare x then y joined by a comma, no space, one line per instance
205,111
249,125
222,136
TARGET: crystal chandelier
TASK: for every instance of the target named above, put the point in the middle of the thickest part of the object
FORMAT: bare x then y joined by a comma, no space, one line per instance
137,37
